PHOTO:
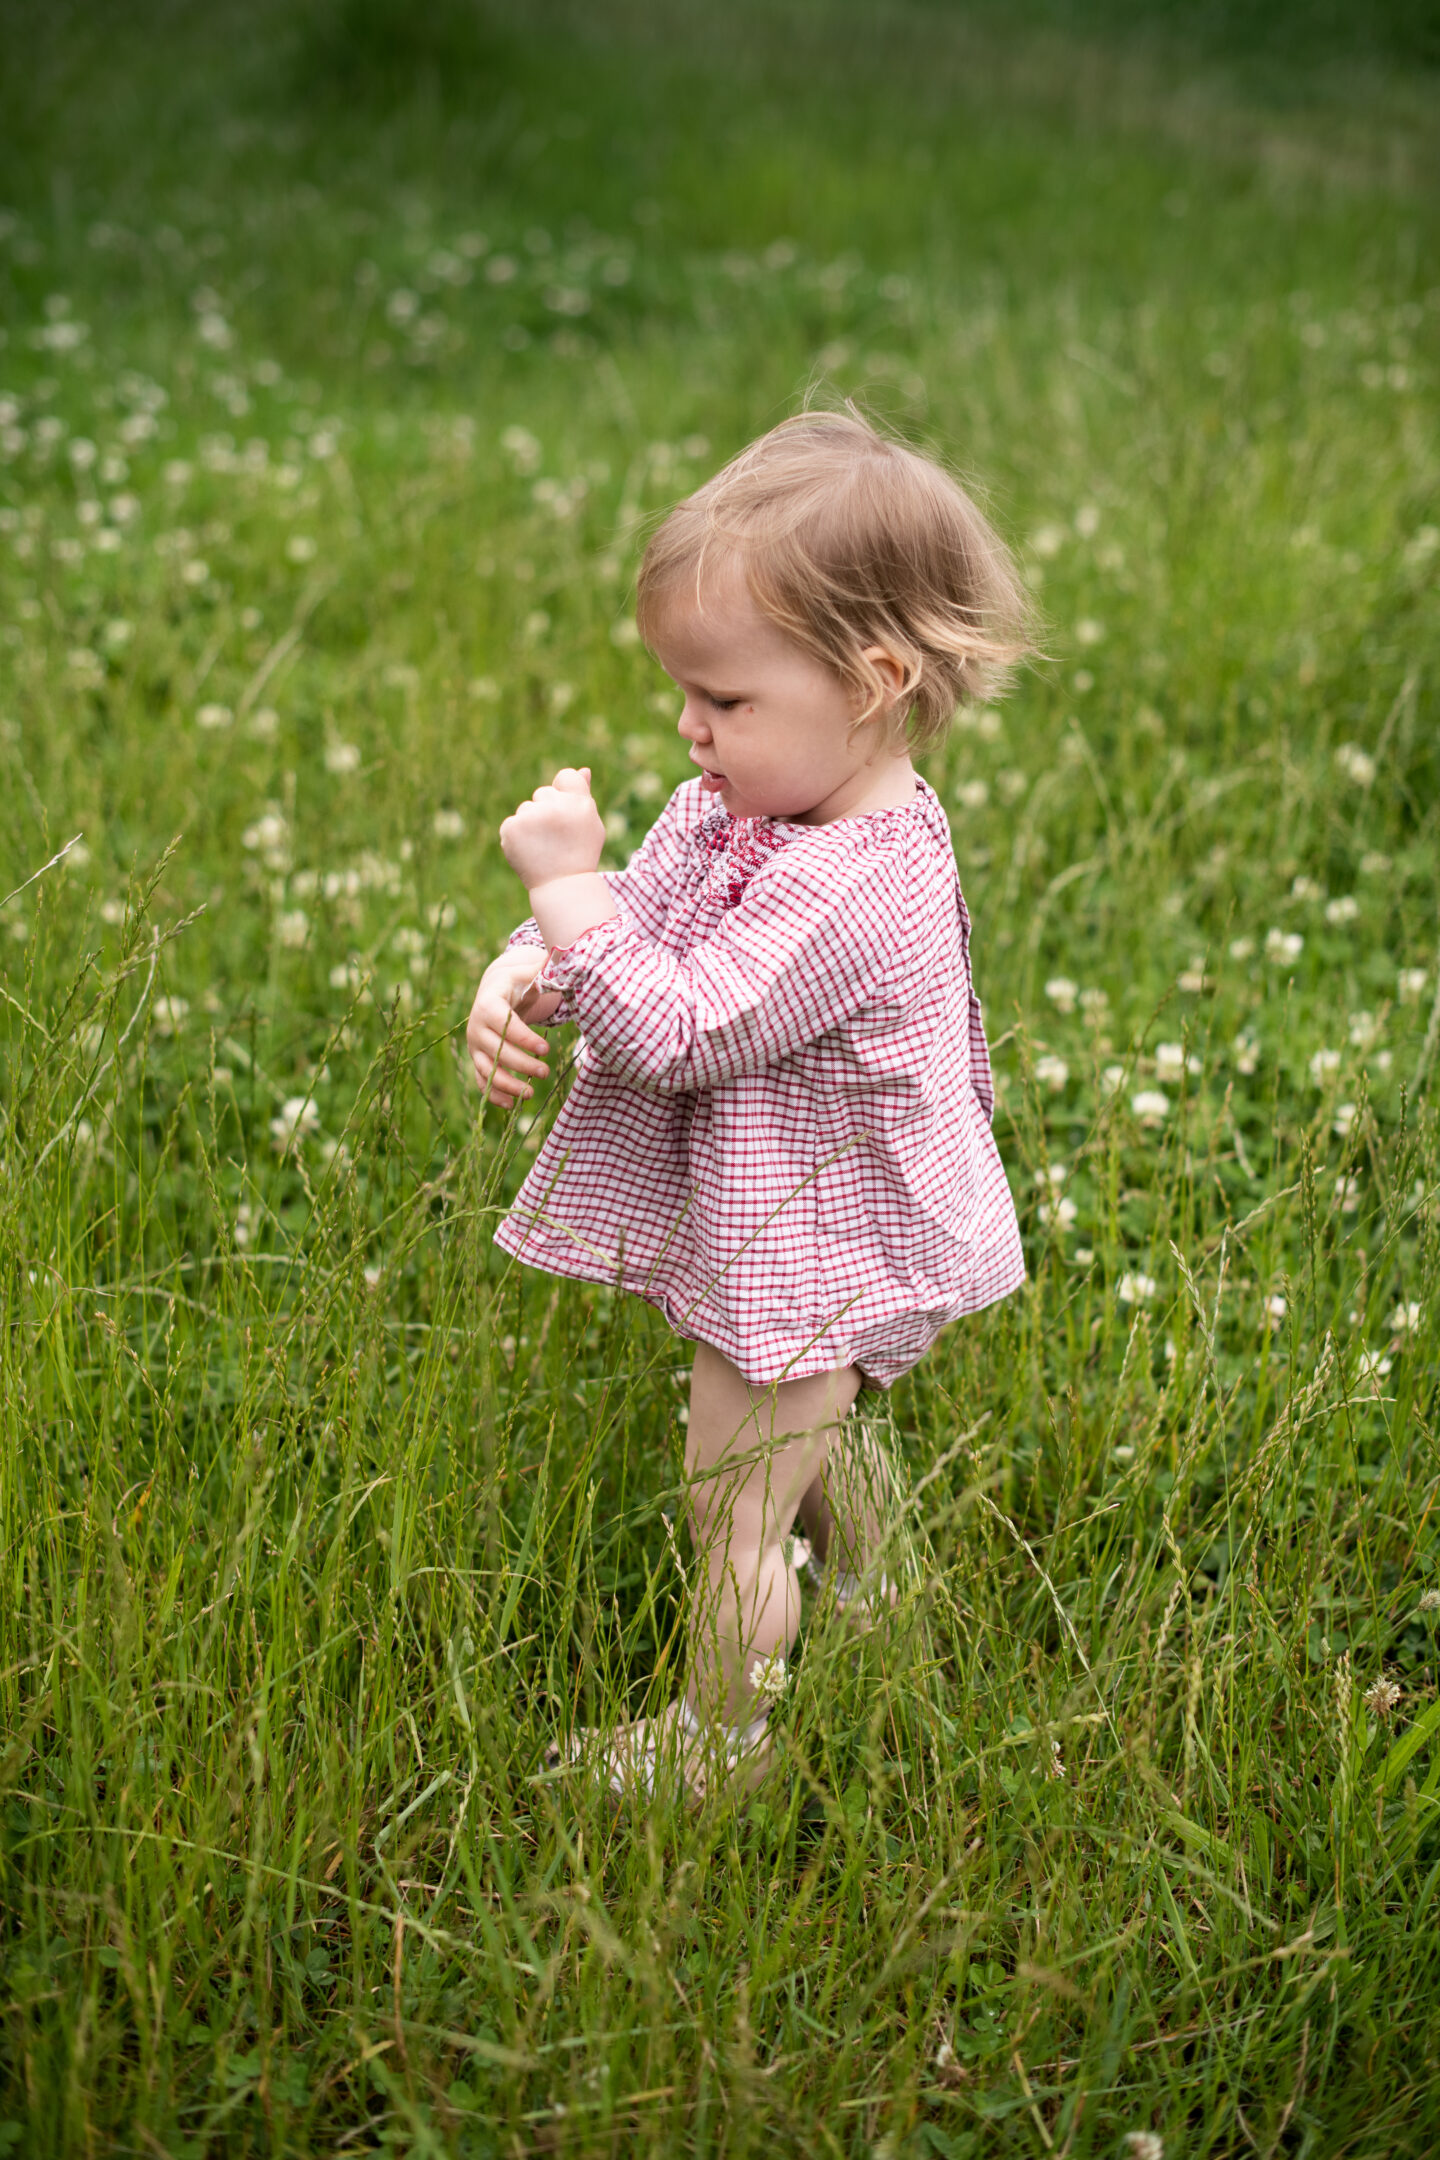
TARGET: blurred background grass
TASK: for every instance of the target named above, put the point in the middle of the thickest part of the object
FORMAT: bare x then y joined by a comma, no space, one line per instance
348,348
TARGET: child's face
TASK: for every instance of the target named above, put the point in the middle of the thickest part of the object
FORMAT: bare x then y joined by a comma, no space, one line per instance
769,726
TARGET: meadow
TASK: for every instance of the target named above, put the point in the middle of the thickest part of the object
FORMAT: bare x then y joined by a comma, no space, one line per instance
348,350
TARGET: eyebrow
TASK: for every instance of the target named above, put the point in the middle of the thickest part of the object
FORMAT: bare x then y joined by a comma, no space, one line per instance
709,690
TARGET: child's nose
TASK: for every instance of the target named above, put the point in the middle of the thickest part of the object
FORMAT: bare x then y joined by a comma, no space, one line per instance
692,724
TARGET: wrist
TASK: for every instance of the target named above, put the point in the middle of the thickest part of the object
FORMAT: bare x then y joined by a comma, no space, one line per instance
564,906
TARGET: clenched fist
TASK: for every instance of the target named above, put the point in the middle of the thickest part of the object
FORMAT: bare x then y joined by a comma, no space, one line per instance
557,833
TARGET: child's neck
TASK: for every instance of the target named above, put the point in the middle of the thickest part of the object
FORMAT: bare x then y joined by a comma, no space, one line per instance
886,783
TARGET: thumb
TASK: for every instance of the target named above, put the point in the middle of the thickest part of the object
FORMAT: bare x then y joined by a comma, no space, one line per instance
577,783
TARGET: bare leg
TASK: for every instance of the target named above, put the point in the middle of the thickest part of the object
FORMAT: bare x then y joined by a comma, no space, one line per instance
842,1509
751,1452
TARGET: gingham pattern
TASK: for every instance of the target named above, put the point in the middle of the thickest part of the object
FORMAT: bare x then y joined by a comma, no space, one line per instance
779,1126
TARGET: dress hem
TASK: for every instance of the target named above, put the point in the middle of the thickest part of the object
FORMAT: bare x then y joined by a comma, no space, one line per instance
803,1364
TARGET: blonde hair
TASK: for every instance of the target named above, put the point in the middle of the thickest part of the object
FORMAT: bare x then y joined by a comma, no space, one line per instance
847,539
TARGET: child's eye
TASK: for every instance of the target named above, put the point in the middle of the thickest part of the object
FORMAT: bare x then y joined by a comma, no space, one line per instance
723,704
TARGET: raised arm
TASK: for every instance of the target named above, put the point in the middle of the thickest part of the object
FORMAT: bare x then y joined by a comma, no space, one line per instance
813,941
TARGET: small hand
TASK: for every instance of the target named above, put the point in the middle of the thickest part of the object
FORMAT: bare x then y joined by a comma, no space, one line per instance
502,1048
557,833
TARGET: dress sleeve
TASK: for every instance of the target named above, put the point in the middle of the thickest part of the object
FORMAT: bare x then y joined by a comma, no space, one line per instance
816,937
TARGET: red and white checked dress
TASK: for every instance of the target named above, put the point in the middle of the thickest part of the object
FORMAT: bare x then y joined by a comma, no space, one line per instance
779,1126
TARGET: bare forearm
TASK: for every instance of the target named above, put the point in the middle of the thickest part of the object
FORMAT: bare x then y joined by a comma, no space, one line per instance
564,906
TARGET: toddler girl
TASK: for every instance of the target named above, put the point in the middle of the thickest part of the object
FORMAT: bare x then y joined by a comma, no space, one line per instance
779,1126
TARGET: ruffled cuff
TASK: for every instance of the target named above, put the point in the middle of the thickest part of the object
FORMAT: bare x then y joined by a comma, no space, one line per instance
528,934
566,965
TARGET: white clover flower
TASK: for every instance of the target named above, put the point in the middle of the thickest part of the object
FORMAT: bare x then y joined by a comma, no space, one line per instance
1364,1029
1284,944
520,446
1052,1073
268,833
1412,984
1380,1698
1193,980
213,717
244,1222
1112,1079
1344,1119
973,795
169,1014
1405,1319
196,571
1094,1001
1276,1309
1241,948
1371,1367
1144,2145
768,1677
1136,1289
342,757
300,548
1304,888
292,928
448,825
1343,910
1054,1766
1322,1064
1047,540
1058,1212
112,911
1170,1061
1356,764
1087,521
1088,631
1062,992
1347,1194
298,1117
1247,1052
117,633
1150,1105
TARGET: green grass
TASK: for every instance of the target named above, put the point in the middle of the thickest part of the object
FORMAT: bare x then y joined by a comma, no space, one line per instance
318,1523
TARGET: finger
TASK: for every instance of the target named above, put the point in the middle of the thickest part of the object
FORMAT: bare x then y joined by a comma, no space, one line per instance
489,1045
511,1023
511,1061
514,1030
497,1088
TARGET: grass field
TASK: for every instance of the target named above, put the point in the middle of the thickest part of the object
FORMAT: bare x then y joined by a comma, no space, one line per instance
347,350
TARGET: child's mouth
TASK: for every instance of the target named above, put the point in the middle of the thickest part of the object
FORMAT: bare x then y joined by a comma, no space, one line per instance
712,782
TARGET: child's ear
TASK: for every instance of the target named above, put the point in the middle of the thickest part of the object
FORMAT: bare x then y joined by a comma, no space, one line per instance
890,668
